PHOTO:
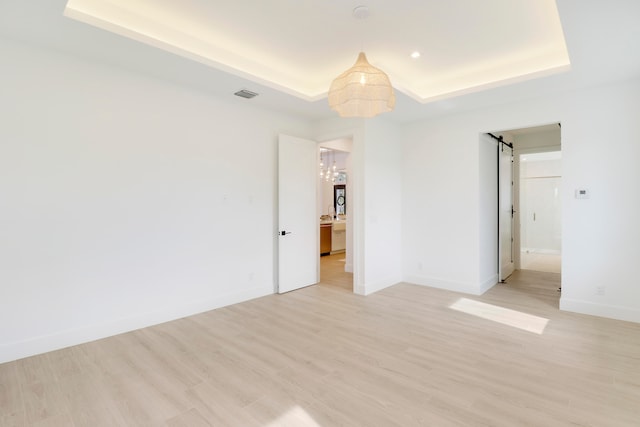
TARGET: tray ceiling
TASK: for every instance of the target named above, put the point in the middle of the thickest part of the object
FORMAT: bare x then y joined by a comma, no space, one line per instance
298,47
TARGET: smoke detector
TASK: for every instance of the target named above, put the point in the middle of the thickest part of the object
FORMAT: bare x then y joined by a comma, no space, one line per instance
361,12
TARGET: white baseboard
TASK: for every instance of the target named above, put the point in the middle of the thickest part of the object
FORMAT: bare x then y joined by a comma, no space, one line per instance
348,268
30,347
489,283
449,285
370,288
601,310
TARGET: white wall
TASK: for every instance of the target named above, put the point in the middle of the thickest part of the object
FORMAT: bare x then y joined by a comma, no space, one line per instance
548,140
538,168
383,205
441,195
125,201
600,151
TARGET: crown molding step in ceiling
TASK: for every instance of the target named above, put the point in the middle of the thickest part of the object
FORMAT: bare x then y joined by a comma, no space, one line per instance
298,47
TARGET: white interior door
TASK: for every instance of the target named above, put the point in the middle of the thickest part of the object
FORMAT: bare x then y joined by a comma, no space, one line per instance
298,247
542,214
506,211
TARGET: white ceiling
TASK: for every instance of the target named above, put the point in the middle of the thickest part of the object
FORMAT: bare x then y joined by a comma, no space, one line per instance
553,127
300,46
474,53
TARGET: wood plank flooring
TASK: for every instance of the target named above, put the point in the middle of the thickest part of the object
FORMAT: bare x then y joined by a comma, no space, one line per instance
332,272
322,356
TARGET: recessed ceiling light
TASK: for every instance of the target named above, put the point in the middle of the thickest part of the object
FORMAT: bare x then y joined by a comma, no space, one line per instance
415,55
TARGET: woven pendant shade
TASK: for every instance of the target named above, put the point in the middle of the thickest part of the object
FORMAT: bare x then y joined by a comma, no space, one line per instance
362,91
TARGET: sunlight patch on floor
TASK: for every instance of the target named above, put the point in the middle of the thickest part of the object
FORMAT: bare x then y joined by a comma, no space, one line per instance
517,319
295,417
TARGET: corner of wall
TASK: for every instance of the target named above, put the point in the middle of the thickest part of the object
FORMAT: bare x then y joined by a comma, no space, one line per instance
370,288
488,284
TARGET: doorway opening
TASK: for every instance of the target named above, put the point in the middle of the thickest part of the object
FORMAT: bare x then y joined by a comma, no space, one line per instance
300,212
334,208
540,211
536,184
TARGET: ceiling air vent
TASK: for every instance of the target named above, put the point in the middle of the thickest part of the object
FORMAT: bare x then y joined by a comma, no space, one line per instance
245,94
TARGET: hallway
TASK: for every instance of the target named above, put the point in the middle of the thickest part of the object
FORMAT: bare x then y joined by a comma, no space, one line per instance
527,288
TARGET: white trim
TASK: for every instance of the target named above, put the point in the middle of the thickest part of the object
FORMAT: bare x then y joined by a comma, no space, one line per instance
601,310
370,288
20,349
467,288
488,283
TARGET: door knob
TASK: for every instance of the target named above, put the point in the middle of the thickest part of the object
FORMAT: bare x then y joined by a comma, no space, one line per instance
282,233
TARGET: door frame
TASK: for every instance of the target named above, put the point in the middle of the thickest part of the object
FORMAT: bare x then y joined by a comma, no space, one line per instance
354,219
355,200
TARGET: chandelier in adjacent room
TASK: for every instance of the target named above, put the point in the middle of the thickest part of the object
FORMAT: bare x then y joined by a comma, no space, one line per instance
328,173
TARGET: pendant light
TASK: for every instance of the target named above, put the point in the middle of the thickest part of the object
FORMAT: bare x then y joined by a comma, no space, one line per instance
363,90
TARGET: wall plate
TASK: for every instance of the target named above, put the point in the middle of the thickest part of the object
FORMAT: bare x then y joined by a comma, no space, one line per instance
582,193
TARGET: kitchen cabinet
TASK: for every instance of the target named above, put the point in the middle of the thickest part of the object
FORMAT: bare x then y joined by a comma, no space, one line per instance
325,239
338,236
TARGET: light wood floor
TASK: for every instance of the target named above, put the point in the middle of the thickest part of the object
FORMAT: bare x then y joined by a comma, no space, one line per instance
322,356
332,272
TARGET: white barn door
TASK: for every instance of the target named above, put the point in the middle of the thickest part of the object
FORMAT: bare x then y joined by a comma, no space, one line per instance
505,200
